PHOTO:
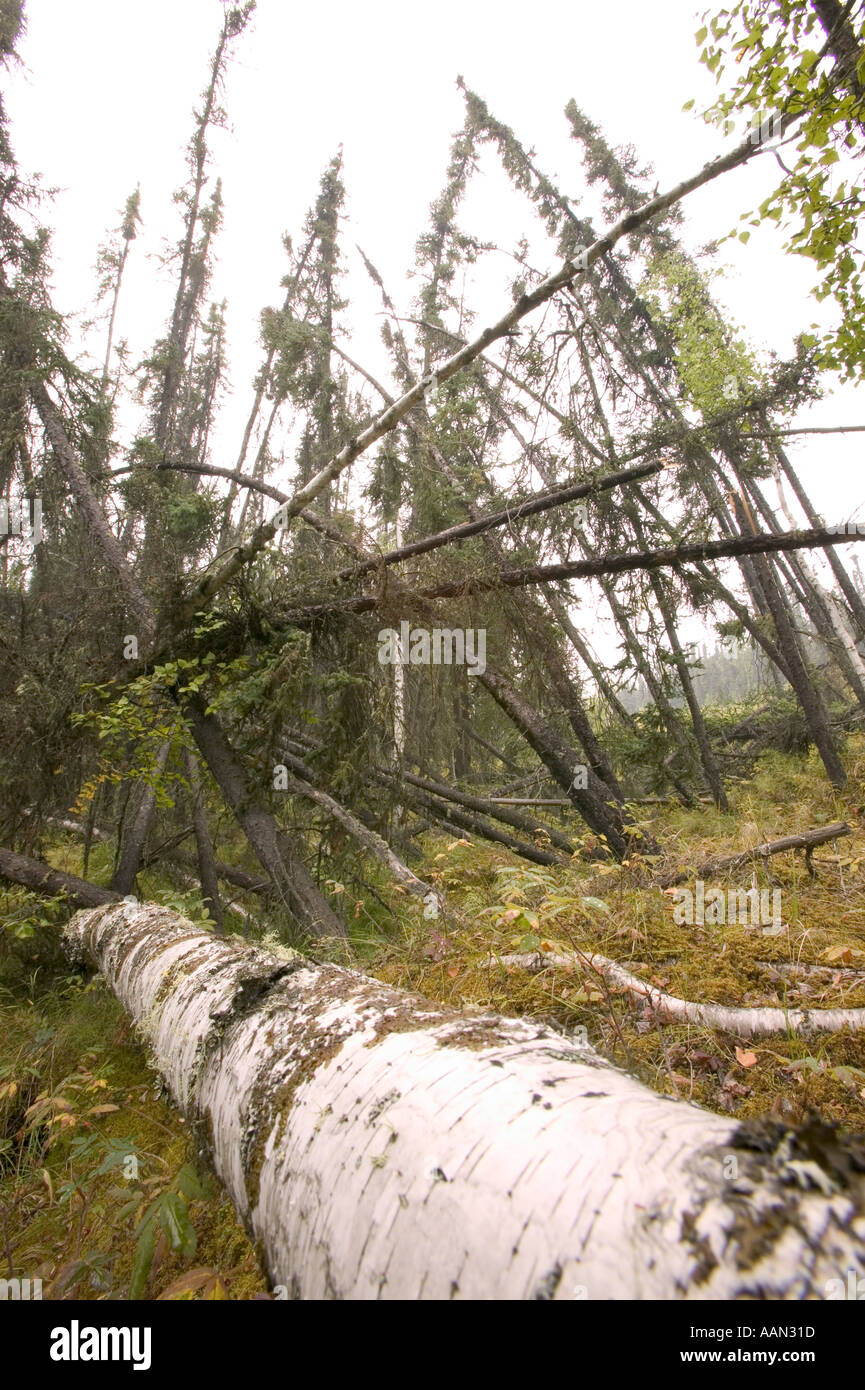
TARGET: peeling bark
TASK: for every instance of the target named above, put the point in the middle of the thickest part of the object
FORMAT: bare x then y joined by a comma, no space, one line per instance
379,1146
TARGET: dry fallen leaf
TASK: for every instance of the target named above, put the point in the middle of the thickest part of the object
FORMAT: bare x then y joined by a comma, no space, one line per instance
746,1059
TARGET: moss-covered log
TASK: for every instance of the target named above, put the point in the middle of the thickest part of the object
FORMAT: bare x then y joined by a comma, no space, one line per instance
380,1146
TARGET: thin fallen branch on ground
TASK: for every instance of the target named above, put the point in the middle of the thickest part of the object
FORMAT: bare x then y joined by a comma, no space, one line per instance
530,801
742,1022
807,840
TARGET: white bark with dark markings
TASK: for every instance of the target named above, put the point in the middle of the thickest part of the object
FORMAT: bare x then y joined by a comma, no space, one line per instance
380,1146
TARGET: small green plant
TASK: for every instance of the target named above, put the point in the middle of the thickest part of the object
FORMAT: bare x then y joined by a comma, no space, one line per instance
165,1225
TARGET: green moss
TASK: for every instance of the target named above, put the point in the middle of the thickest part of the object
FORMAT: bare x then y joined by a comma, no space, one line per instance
824,924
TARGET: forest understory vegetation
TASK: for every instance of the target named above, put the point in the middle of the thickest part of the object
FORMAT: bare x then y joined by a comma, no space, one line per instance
413,677
78,1095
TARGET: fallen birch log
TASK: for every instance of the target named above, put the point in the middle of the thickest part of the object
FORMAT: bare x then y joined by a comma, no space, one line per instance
744,1022
807,840
379,1146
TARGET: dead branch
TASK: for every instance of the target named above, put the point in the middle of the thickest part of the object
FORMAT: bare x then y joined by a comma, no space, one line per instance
807,840
33,873
744,1023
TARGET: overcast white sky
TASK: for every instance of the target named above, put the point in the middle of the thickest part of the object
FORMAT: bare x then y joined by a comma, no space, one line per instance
104,96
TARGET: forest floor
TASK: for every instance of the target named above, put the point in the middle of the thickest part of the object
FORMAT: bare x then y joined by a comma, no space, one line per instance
508,906
101,1191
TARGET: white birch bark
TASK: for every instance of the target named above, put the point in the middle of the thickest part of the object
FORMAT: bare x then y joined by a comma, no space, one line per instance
380,1146
751,1022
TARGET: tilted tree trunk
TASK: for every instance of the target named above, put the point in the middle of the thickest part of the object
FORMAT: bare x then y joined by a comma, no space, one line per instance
594,801
806,691
563,684
458,821
848,588
363,834
837,614
490,808
291,879
811,596
33,873
379,1146
136,837
580,646
207,874
137,602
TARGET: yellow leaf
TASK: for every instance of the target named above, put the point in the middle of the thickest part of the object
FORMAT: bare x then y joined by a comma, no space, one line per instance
845,953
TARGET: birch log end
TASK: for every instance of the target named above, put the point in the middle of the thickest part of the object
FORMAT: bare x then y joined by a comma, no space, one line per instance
379,1146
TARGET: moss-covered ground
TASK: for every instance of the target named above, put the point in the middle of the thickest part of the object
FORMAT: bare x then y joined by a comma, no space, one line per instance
102,1191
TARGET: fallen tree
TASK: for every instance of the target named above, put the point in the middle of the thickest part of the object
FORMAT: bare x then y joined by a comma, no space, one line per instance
752,1022
33,873
379,1146
807,840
